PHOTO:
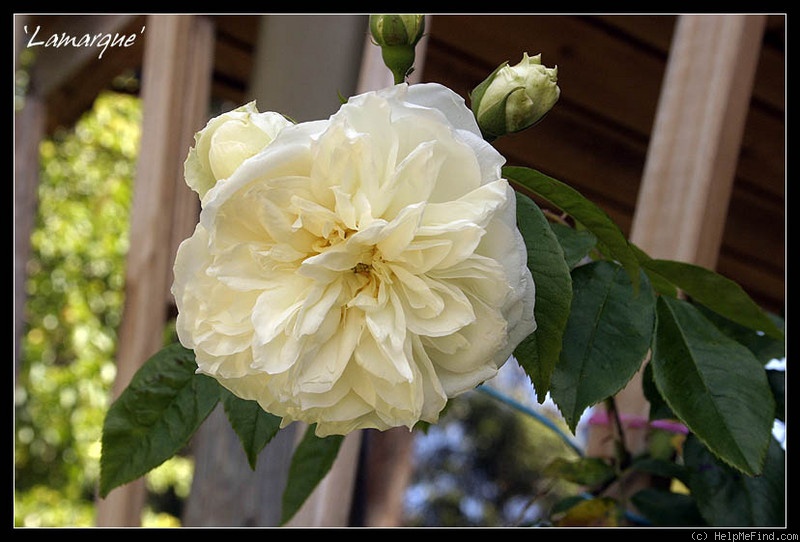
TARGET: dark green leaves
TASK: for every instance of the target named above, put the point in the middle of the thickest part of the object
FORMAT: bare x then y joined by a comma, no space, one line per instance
539,353
582,210
312,460
254,427
764,347
606,339
716,292
665,509
155,416
726,498
576,243
715,385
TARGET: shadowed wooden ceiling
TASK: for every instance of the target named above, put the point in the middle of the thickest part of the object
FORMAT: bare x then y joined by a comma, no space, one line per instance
610,73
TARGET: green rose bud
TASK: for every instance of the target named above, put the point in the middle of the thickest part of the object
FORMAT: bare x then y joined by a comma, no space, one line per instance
397,36
513,98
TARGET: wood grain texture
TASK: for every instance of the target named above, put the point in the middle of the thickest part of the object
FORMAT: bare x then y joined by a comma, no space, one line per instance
165,125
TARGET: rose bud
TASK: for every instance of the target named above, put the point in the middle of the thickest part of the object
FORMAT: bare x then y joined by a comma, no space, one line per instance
397,35
227,141
513,98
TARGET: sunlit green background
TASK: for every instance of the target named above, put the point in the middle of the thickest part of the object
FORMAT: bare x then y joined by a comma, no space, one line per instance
75,294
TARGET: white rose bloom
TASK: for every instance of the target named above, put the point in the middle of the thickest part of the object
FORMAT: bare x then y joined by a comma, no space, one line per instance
226,142
359,271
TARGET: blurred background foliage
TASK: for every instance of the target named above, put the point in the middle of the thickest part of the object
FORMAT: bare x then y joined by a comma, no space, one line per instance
482,466
75,290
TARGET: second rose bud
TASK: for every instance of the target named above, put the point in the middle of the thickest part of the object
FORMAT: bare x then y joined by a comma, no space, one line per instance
514,98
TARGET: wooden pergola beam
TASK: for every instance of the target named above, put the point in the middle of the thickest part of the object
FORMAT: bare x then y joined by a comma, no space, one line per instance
697,135
175,94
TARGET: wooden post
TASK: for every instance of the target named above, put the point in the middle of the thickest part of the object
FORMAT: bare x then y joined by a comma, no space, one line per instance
194,99
175,45
28,132
29,123
691,161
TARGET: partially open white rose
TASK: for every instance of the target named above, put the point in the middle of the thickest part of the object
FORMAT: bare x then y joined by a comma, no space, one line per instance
359,271
226,142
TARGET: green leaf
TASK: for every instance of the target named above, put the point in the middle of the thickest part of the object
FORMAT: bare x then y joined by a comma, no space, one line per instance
577,244
727,498
713,384
666,509
662,468
254,426
312,460
607,337
595,512
659,283
659,410
567,502
586,471
764,347
663,444
716,292
539,352
592,217
155,416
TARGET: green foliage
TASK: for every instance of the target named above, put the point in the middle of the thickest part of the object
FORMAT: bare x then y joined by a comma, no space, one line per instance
585,471
311,461
576,244
707,371
591,512
539,352
606,338
763,347
155,416
716,292
714,384
727,498
589,215
666,509
75,296
254,427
